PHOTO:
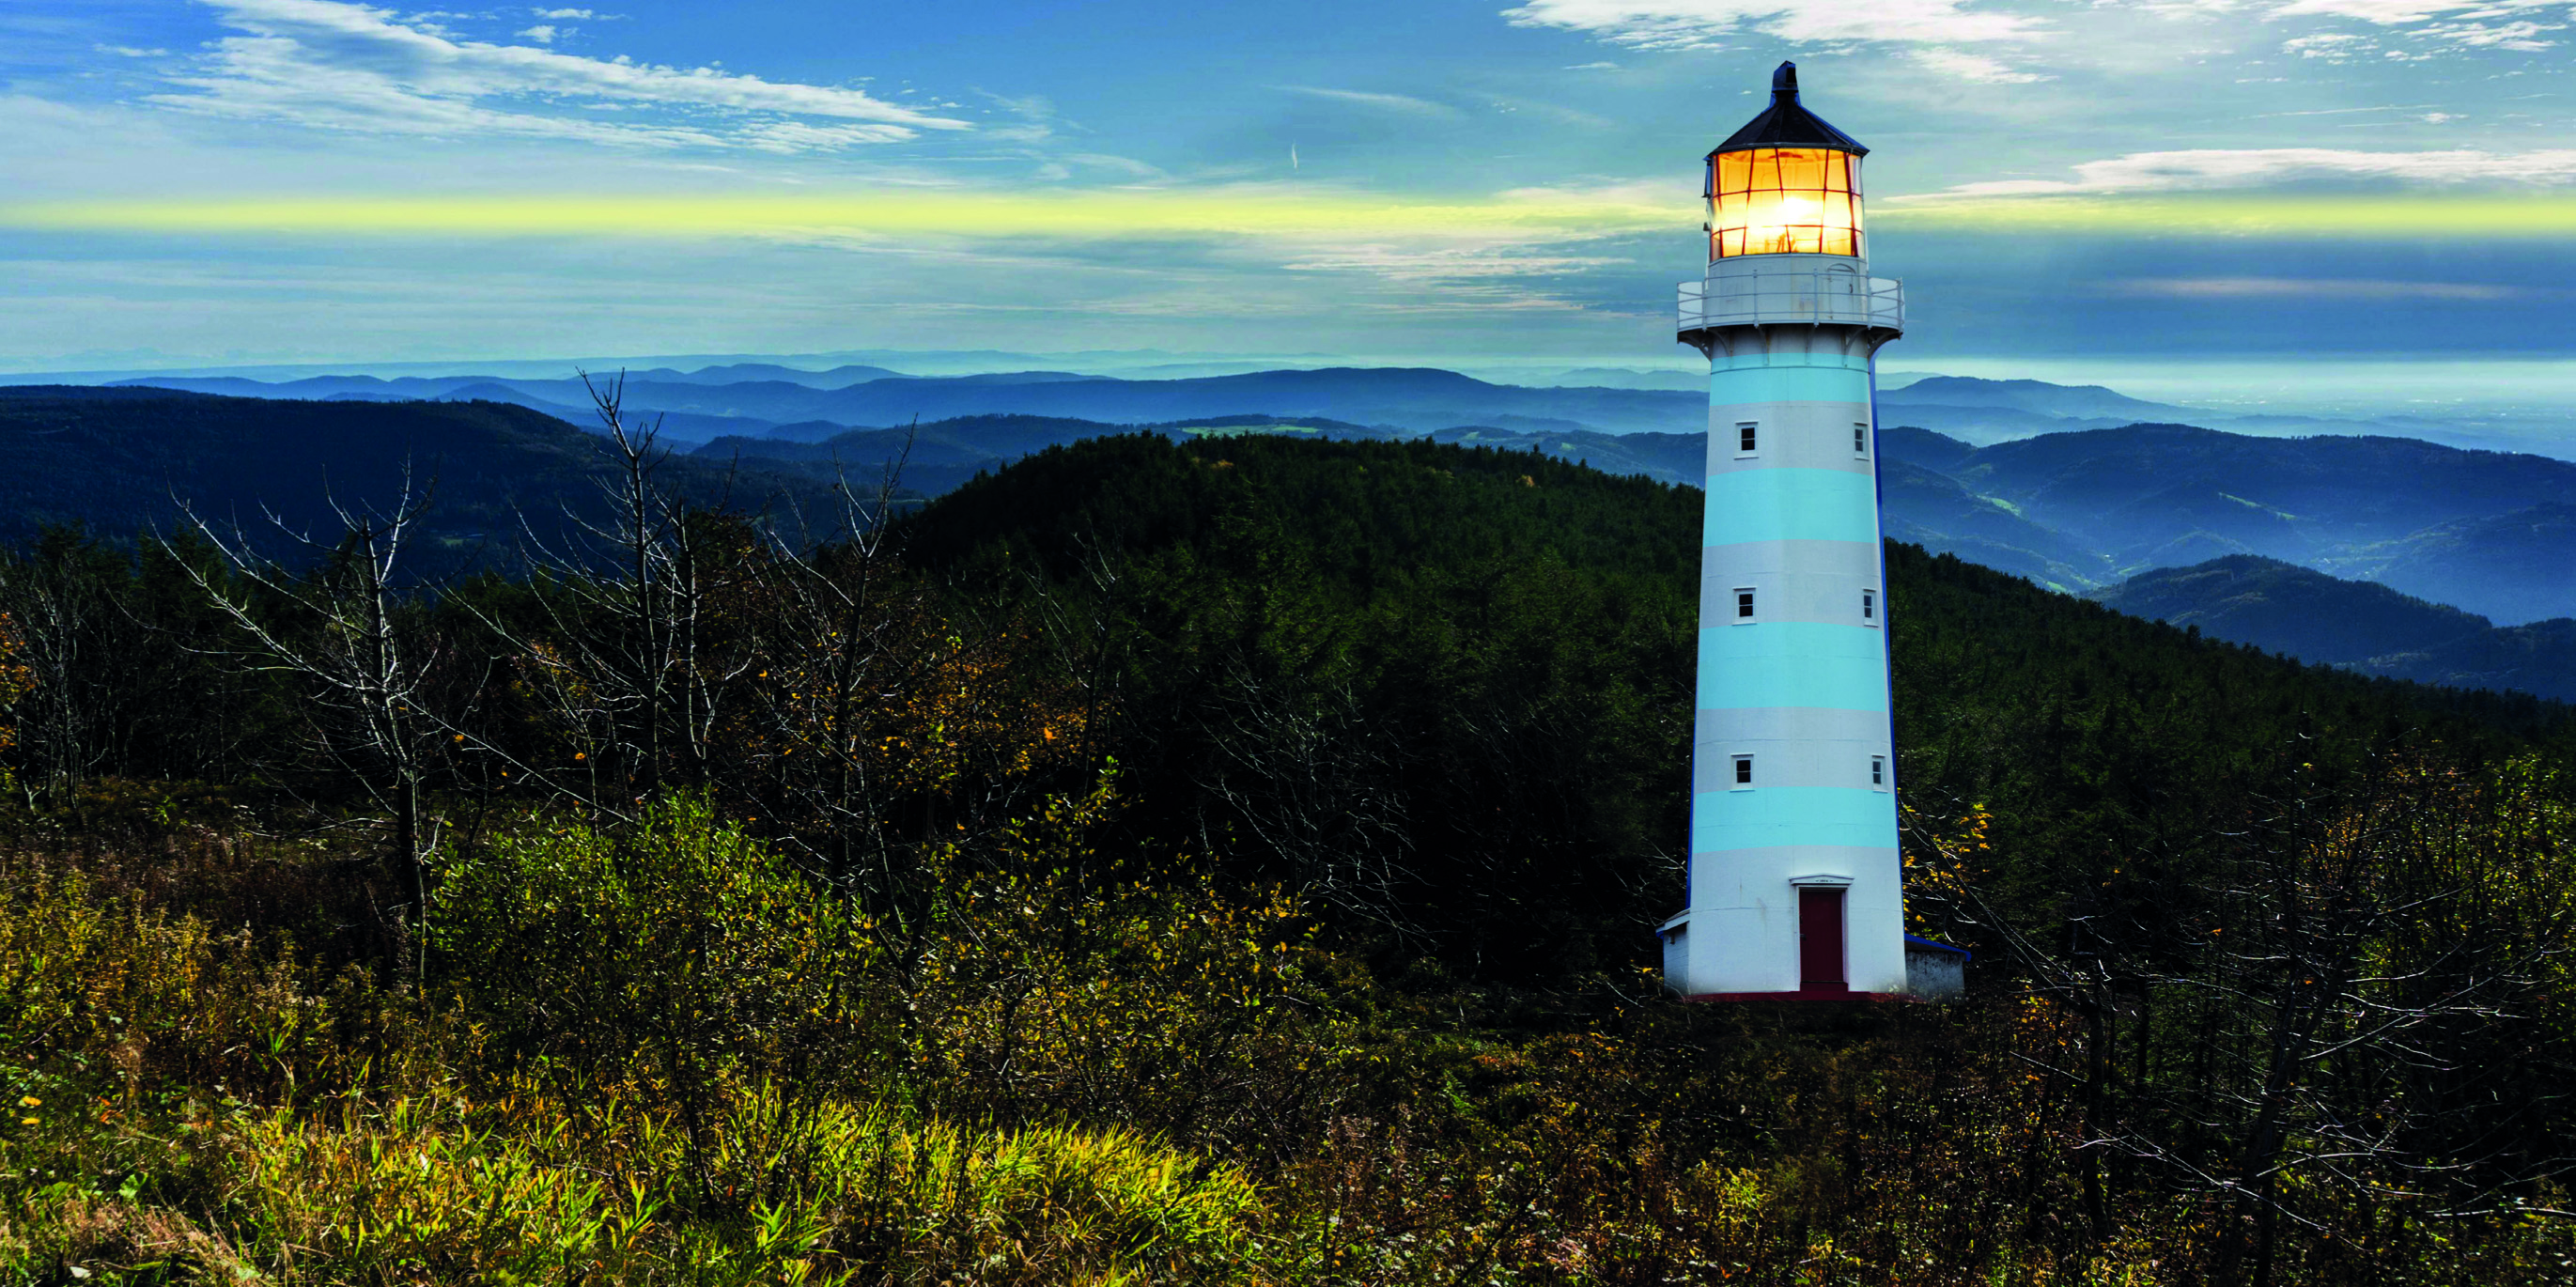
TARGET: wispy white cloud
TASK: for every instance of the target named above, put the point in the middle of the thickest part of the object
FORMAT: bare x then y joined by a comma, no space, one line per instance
2391,13
1697,24
2352,111
1557,112
1448,263
2209,170
355,67
2016,42
543,33
1433,276
1128,166
2330,46
2520,37
559,14
129,51
1975,67
1404,103
2295,288
1934,30
2459,24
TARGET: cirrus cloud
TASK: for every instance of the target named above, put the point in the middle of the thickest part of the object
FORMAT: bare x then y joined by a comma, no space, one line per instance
1401,103
1934,29
2220,169
1976,68
1698,24
2391,13
2310,288
360,68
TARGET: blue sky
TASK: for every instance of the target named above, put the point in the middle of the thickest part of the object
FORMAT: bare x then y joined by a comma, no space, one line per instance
264,181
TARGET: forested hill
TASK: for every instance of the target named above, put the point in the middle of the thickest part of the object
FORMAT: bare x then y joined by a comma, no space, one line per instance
1227,861
1448,687
112,459
1454,685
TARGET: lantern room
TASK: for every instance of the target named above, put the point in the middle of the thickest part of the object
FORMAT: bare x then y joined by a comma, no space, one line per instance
1785,184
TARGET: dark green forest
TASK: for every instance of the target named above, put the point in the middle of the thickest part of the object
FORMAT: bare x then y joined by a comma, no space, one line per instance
1229,860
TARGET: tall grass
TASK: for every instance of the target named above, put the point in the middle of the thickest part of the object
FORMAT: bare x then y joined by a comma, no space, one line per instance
534,1190
592,1089
660,1053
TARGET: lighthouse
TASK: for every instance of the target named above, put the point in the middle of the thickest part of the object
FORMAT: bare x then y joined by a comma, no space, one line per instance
1795,886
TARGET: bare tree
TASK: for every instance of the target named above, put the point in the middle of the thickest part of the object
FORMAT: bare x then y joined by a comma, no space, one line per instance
1311,779
2354,969
346,634
627,662
836,623
2330,1023
55,617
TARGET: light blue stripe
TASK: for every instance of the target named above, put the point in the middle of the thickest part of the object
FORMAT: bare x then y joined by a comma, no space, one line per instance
1765,817
1775,361
1788,384
1792,663
1791,505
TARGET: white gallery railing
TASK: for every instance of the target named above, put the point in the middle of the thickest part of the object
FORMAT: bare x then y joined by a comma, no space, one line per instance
1790,295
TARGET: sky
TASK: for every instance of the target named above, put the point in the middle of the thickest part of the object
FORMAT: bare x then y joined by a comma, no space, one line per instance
2342,185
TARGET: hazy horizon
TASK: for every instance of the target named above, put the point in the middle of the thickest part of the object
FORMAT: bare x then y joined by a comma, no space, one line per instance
2344,387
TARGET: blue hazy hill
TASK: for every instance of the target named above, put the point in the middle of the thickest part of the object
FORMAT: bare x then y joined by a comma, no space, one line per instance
2050,481
1421,399
2490,532
116,461
2361,625
2070,401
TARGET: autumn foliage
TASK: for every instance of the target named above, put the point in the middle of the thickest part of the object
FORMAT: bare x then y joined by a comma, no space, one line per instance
1157,872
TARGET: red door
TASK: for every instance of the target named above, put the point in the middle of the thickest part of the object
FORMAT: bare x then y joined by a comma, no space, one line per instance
1820,941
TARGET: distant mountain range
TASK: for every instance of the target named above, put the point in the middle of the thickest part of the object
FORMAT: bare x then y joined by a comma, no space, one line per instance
704,405
769,400
762,399
116,461
2078,487
757,400
1990,411
2359,625
2491,532
2112,511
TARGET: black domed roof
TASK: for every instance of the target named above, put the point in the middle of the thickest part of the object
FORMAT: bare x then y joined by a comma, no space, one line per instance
1786,124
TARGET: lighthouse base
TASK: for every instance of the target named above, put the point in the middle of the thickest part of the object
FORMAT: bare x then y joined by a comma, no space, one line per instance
1815,995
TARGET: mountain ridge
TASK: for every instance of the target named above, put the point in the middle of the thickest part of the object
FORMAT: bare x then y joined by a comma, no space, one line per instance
115,461
2483,530
2359,625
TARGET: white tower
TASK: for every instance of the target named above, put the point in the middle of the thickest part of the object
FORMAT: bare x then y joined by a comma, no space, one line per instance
1795,885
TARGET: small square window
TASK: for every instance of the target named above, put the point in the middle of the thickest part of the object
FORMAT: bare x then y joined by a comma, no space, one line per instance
1878,770
1860,439
1744,605
1746,435
1744,770
1869,605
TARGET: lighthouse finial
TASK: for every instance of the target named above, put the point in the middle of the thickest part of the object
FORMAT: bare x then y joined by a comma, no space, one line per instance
1784,83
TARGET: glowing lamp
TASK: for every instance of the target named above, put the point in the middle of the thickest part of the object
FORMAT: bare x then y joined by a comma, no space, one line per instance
1785,184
